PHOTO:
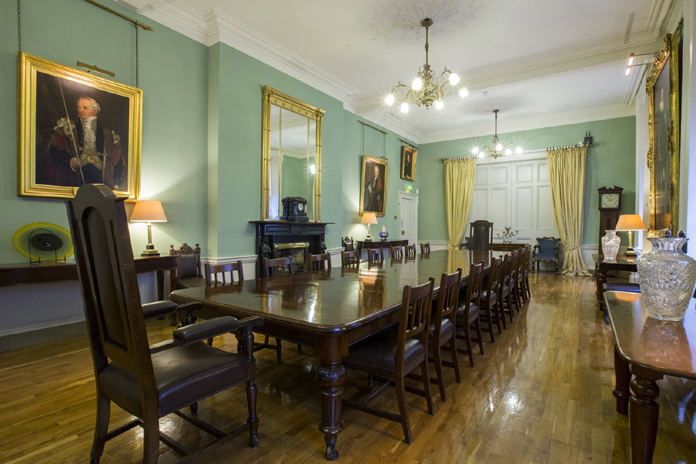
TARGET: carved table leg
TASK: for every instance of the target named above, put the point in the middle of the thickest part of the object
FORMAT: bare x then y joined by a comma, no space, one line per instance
643,414
623,379
601,280
331,376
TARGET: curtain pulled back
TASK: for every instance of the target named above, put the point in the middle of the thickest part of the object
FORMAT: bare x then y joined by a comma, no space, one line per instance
459,189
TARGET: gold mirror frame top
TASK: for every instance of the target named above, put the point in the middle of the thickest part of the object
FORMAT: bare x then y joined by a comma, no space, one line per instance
670,50
272,96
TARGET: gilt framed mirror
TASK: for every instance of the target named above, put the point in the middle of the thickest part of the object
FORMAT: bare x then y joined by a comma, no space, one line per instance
664,121
291,151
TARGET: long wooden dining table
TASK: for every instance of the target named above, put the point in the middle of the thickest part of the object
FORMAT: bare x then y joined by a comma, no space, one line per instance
330,311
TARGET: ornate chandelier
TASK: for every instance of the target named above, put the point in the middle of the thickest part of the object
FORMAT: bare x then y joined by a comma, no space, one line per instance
424,91
499,149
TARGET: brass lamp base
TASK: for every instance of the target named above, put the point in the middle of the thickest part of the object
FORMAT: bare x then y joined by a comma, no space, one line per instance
149,248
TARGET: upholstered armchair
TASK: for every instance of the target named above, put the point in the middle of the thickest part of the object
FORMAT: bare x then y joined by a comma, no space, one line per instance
547,250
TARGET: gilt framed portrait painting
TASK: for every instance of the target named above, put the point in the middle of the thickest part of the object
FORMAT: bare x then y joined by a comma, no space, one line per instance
76,128
408,163
373,186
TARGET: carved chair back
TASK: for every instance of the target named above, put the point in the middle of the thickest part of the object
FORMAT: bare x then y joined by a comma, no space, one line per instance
473,287
375,255
411,251
348,243
277,266
213,270
321,262
397,252
480,235
416,306
350,258
425,248
188,260
447,302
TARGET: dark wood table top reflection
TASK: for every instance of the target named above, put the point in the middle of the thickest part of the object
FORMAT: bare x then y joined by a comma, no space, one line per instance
664,346
336,300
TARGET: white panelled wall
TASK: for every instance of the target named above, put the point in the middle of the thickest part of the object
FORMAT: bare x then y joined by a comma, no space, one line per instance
515,192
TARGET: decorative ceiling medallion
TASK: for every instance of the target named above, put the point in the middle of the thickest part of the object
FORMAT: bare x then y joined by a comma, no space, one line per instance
401,19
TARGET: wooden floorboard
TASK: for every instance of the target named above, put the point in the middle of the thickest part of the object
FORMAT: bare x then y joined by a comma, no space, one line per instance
542,393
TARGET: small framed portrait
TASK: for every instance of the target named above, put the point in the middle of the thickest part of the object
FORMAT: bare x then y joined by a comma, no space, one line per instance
373,186
76,128
408,163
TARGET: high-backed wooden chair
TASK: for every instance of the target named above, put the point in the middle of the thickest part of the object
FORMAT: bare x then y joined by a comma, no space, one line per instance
468,312
504,290
350,258
145,384
489,299
188,273
425,248
442,327
411,251
375,255
397,252
321,262
480,235
528,253
348,243
521,265
277,266
212,271
514,281
395,352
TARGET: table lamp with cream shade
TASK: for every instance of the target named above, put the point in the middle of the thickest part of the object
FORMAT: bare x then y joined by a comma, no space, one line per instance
148,211
630,222
368,218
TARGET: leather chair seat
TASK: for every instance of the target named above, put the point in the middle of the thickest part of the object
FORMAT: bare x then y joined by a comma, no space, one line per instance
446,331
183,375
191,282
484,295
621,287
473,312
378,353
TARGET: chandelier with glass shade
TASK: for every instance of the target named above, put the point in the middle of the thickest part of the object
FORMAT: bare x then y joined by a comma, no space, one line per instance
498,149
424,90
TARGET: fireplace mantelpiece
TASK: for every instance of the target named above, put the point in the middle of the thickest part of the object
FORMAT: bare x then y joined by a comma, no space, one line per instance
270,233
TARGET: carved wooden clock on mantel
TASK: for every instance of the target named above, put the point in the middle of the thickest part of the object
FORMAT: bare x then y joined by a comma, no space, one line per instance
609,207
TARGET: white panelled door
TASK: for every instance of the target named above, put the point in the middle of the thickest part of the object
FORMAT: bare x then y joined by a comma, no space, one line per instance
515,193
408,217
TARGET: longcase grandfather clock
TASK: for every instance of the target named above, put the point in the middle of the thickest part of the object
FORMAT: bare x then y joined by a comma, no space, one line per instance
609,207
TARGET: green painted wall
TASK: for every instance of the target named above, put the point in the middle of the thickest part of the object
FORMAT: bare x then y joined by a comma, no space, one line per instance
611,161
173,77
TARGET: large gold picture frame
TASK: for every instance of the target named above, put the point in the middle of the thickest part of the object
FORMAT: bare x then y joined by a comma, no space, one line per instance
373,186
664,121
76,128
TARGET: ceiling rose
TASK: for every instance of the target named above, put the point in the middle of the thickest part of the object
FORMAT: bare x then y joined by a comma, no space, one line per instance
401,19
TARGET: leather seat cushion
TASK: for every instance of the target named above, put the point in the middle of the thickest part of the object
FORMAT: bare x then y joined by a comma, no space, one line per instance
473,312
621,287
183,375
506,291
484,298
446,331
191,282
158,308
378,352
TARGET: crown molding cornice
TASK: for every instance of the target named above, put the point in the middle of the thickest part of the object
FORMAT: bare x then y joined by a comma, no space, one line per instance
215,26
395,125
540,122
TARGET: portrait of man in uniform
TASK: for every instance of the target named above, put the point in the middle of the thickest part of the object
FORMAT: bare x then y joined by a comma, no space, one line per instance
77,128
374,186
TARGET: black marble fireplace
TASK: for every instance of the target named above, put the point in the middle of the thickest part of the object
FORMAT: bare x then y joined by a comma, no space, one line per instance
281,238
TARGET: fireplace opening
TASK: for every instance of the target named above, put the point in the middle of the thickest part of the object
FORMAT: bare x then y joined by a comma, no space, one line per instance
297,252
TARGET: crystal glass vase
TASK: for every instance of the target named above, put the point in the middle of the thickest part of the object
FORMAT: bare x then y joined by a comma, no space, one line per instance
667,277
610,246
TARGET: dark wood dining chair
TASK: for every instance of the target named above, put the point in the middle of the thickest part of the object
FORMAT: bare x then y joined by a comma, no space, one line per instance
411,251
212,271
146,384
321,262
425,248
395,352
375,255
350,258
277,266
489,298
521,264
442,328
397,252
527,288
504,290
514,281
480,235
188,273
469,311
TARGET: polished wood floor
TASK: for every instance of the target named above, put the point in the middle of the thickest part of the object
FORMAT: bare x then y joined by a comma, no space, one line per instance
540,394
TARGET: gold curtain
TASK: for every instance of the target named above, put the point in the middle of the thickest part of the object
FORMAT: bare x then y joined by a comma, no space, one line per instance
567,179
459,188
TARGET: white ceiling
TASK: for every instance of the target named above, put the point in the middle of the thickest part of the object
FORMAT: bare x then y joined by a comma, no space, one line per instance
535,58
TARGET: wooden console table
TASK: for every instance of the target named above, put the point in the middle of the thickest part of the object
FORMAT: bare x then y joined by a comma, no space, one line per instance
647,349
24,273
623,263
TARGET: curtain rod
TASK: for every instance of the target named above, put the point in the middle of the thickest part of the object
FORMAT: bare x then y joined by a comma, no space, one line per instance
372,127
407,143
120,15
577,145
